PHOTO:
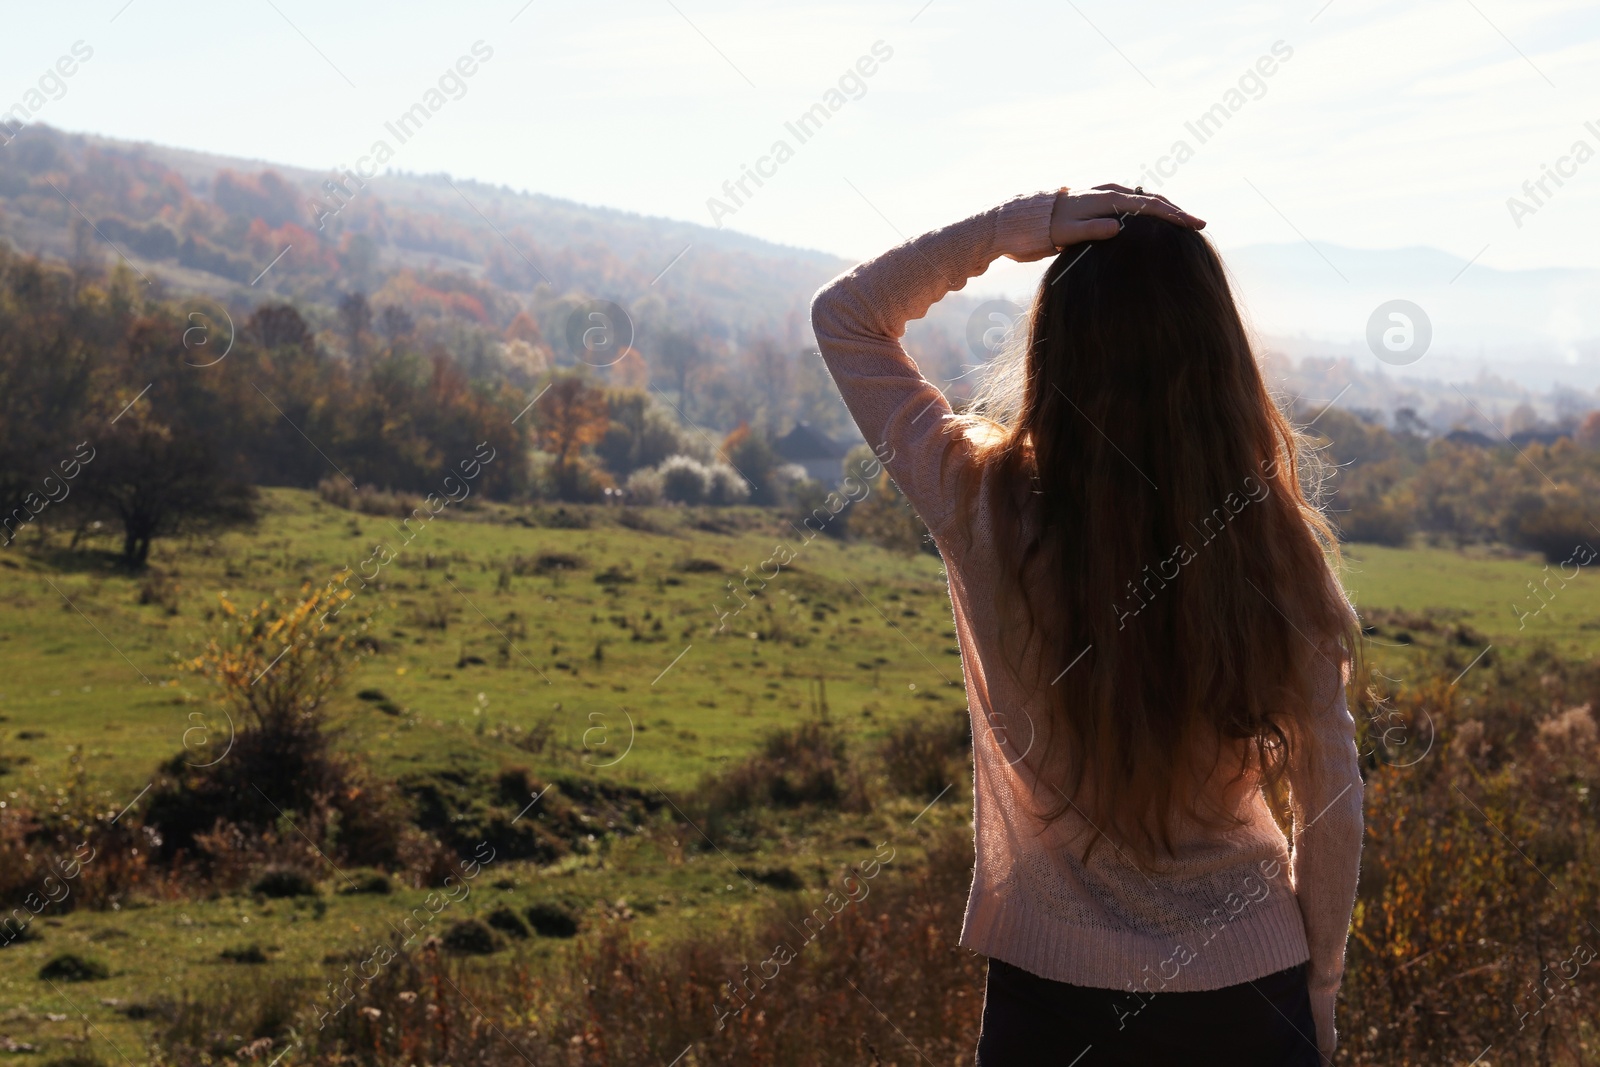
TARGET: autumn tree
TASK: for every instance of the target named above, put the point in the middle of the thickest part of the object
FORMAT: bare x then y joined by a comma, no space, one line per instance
572,415
525,328
1589,433
752,455
278,326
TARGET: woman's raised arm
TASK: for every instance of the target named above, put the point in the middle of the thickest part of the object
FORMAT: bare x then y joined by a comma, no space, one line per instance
860,316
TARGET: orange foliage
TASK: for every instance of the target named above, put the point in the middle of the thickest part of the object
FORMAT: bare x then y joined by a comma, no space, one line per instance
630,371
573,415
524,328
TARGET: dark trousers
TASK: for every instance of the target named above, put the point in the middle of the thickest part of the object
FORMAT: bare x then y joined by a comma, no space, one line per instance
1030,1021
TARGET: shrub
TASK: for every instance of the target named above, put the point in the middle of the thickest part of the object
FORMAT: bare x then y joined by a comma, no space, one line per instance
70,967
725,485
283,882
507,922
646,486
615,575
371,882
158,588
470,937
684,480
808,764
552,562
276,668
923,757
623,999
247,954
886,518
368,500
783,878
550,919
380,700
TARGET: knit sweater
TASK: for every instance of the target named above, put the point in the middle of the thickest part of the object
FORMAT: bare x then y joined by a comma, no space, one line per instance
1224,908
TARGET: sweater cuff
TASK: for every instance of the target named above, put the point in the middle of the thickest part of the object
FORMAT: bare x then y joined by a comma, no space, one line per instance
1322,1012
1023,229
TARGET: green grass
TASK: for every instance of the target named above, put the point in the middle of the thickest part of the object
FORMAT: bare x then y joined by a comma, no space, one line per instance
91,669
87,664
1484,590
88,668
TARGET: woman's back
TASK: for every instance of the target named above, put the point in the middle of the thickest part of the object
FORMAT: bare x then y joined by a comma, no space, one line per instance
1107,628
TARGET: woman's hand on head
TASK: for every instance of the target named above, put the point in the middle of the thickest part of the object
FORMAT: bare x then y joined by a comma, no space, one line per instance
1096,214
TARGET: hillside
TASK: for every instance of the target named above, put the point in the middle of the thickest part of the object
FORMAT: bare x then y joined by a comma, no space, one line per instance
510,244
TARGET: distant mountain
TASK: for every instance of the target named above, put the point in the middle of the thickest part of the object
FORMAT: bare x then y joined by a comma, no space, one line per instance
1538,327
530,248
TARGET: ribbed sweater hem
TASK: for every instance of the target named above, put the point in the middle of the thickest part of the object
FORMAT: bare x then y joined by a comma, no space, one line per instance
1266,937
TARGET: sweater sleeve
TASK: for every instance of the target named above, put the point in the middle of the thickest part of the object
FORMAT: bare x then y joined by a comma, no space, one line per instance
860,316
1325,792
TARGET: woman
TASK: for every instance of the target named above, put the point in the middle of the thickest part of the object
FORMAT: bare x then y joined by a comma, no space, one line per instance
1153,642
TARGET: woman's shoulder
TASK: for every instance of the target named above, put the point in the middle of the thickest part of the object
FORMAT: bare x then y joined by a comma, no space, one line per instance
998,496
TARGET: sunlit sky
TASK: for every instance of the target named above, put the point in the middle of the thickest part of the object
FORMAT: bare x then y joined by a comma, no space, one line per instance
1387,126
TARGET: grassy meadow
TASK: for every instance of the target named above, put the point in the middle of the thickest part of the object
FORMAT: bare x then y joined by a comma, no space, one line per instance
492,625
535,645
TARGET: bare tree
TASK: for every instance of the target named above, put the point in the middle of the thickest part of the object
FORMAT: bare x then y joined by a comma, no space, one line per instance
769,367
682,356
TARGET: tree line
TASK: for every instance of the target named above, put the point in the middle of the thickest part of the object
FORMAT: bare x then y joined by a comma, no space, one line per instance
160,417
1389,485
157,417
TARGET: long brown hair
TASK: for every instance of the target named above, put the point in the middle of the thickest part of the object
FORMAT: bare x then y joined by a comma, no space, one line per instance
1169,601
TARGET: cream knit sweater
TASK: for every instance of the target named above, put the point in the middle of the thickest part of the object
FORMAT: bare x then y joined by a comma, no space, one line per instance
1225,909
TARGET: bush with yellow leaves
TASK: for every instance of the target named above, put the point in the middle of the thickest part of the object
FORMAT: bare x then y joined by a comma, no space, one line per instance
276,783
278,664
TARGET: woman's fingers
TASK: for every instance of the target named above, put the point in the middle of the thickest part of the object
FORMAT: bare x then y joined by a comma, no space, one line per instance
1098,214
1160,207
1114,187
1126,201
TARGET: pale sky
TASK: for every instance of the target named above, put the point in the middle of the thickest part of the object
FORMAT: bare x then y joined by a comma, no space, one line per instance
1387,126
